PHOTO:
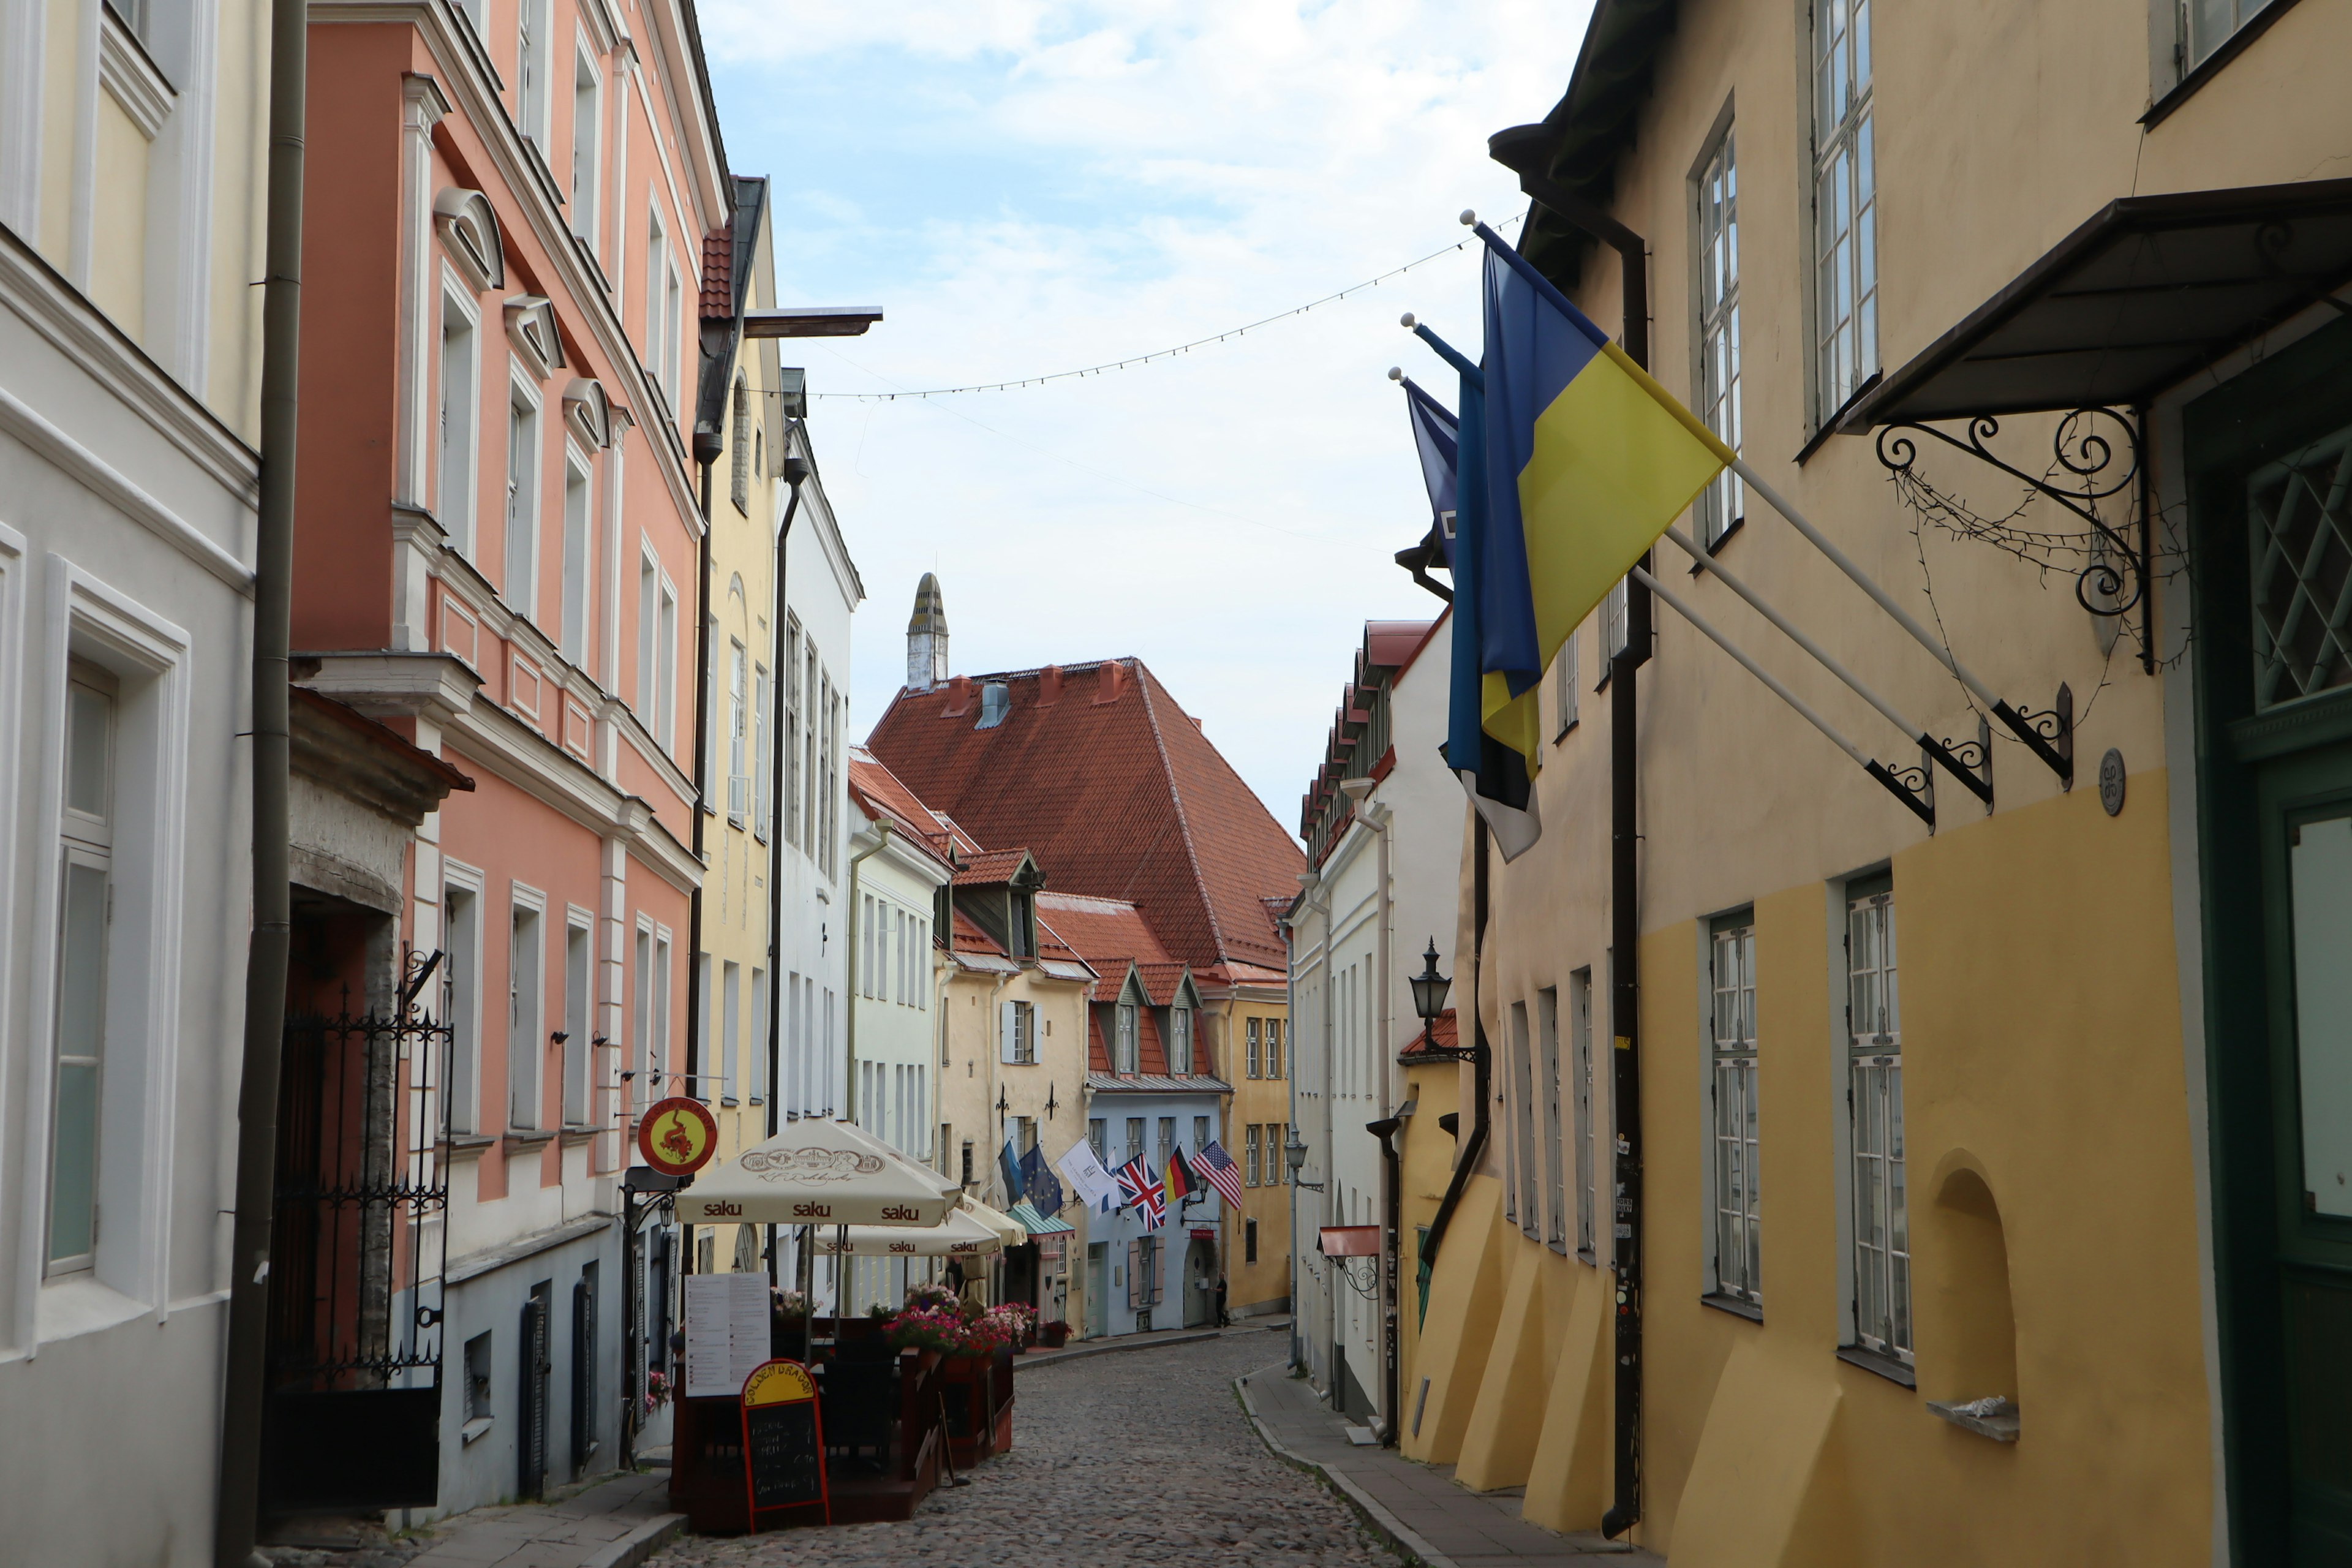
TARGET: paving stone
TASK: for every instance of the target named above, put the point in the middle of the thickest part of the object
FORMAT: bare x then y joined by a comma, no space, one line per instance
1141,1457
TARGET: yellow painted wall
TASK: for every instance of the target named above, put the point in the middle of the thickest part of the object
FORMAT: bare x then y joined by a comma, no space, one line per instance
117,257
1260,1101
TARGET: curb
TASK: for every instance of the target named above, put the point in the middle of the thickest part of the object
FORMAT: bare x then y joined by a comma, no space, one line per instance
1402,1536
1112,1345
639,1543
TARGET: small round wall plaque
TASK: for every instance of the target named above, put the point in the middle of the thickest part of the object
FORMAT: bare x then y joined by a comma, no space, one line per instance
2111,781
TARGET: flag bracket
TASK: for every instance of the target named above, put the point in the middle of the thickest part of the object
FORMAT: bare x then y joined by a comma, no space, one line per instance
1914,787
1969,762
2049,735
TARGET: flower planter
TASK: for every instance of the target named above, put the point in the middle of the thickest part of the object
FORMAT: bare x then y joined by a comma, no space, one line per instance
1054,1336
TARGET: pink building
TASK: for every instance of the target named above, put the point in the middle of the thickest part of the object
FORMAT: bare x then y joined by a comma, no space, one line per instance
498,559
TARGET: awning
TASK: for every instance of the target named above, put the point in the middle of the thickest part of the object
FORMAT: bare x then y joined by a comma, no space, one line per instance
1003,1225
1025,1214
1349,1241
819,1173
2151,290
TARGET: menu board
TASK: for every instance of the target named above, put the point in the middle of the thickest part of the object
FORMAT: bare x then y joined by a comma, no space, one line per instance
783,1439
726,1331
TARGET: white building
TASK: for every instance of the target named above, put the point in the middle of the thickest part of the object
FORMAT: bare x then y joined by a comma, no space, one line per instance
899,866
132,203
1384,839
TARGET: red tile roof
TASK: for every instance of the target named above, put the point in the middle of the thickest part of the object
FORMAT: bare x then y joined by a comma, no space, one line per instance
880,793
989,867
966,937
1444,1033
1118,792
1106,933
719,274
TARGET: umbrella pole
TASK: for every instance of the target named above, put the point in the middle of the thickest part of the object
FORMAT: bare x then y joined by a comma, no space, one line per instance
807,1272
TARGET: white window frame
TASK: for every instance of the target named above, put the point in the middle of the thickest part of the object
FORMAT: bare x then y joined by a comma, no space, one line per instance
83,847
739,727
1529,1199
1734,1247
1126,1039
756,1044
1844,247
579,553
1584,1085
1716,195
666,665
1180,1040
578,1015
587,143
525,455
461,992
763,772
790,781
1880,1291
149,656
1564,692
641,1064
458,456
531,96
1615,630
526,1031
730,1024
1547,1091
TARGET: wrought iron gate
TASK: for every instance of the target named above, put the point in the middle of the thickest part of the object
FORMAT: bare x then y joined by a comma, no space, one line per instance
584,1372
531,1449
358,1237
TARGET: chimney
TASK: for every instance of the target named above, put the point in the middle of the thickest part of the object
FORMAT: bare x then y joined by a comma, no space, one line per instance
1049,686
1111,681
959,697
927,637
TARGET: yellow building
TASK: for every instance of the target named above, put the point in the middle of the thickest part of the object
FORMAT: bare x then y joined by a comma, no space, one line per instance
1254,1051
1968,1192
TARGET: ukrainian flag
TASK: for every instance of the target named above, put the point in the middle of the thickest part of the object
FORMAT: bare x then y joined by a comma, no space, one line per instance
1588,461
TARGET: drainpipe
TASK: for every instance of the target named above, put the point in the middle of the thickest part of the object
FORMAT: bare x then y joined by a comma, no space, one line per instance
236,1505
707,449
796,469
1393,1193
1527,150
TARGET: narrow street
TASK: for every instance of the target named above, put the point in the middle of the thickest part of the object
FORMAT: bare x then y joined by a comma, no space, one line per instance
1140,1457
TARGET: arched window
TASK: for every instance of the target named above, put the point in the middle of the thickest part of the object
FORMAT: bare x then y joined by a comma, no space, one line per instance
741,483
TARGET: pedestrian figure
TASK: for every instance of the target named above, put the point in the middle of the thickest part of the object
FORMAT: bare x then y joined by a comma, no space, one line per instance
1223,1322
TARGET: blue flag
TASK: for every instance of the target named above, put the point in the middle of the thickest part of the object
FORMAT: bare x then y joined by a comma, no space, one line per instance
1010,1168
1044,1187
1437,435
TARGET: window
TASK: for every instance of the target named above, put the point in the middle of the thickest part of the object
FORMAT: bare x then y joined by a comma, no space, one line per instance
829,779
642,1061
461,940
1739,1253
666,668
1614,631
85,830
659,1042
731,1015
1249,1241
1277,1142
1096,1132
1846,247
578,1024
1180,1040
1019,1041
738,482
531,70
586,96
1199,1133
2211,22
1273,1064
1564,686
1882,1244
1123,1049
791,779
461,367
714,716
661,311
1719,504
967,1162
522,504
480,1401
1252,1154
1167,1143
576,551
866,960
1523,1122
1257,1049
1547,1089
648,641
673,328
763,736
757,1070
524,1000
1580,1079
739,733
1134,1140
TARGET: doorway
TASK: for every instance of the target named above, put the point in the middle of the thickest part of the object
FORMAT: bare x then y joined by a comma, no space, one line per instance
1200,1284
1097,1288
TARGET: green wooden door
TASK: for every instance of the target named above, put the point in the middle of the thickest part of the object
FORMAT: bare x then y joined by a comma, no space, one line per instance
2269,470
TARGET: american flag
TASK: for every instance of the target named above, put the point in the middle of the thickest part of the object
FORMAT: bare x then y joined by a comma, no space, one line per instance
1137,1185
1213,1163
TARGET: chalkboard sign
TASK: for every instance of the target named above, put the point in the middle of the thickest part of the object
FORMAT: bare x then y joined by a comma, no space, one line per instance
783,1441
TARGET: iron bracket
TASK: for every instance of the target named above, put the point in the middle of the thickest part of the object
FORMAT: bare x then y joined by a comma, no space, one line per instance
2119,567
1914,787
1969,762
2048,736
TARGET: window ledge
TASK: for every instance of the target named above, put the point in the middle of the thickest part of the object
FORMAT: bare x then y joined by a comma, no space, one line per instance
1831,426
469,1146
575,1134
2212,64
2000,1425
1721,541
1565,730
1736,1306
521,1139
1891,1368
473,1429
78,1303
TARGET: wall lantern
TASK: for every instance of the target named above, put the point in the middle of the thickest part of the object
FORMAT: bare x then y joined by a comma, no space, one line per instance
1429,989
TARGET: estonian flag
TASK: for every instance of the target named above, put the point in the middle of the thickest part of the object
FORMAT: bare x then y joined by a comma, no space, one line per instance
1587,461
1009,1166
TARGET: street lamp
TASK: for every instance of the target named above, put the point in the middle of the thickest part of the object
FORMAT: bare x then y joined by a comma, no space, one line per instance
1294,1154
1429,989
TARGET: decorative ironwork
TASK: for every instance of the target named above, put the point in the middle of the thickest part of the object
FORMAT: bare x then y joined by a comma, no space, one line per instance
1914,787
1971,762
2114,579
2049,734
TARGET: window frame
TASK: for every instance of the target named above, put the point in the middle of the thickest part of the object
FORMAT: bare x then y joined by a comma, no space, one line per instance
1732,1142
1863,1052
579,583
587,144
1843,147
526,452
1584,1085
1718,380
525,1009
458,452
461,993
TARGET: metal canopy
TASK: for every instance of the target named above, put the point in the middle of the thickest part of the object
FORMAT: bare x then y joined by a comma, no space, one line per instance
811,321
2151,290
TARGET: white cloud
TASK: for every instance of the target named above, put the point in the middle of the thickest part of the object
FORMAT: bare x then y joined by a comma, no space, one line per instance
1030,187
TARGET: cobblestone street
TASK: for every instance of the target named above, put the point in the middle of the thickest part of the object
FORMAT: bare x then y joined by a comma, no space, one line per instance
1140,1457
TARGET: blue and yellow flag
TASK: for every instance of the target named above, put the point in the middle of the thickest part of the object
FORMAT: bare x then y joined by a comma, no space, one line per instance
1588,461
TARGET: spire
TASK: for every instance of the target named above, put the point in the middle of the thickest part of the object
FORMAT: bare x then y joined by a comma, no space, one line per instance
927,636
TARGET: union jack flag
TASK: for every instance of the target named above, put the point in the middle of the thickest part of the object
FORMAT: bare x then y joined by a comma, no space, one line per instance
1213,1163
1139,1186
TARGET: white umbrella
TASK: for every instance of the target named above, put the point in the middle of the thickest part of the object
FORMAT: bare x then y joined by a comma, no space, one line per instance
1006,1229
960,1236
820,1174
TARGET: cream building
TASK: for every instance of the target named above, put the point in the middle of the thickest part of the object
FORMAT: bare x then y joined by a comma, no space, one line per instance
2017,1238
131,210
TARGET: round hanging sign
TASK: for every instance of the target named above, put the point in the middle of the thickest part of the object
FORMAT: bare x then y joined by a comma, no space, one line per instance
677,1135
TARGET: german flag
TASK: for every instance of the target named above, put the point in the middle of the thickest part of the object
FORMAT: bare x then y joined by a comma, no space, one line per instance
1180,1185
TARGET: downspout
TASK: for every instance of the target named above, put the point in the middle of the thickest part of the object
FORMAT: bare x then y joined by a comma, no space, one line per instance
1527,150
236,1505
706,451
794,471
1393,1193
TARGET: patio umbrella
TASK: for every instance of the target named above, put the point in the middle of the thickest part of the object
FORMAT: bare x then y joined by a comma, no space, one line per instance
1003,1225
960,1236
819,1173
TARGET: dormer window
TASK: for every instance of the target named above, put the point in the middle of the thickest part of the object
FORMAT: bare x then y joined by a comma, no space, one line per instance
1020,930
1180,1039
1122,1059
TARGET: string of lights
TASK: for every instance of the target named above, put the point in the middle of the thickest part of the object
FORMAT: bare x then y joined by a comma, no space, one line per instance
1134,361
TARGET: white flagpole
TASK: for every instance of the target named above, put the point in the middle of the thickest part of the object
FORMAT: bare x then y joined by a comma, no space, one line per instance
1862,580
1709,564
1758,670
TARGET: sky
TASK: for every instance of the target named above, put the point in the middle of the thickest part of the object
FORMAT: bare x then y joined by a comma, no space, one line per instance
1027,187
